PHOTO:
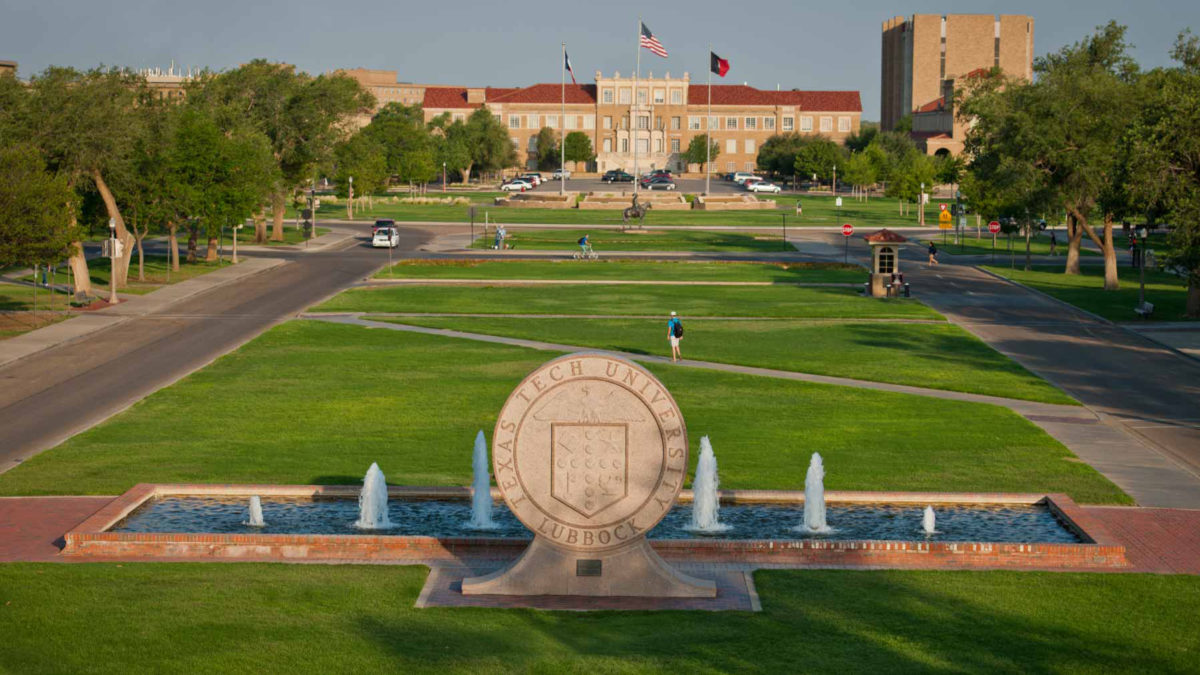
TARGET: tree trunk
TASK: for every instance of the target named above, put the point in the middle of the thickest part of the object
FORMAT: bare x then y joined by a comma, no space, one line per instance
1192,308
260,227
467,173
1074,238
277,207
172,247
211,255
141,257
1028,237
79,269
120,266
193,236
1111,281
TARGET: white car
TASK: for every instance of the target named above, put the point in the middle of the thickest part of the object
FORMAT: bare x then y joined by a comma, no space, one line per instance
386,237
560,174
764,186
533,178
741,176
517,185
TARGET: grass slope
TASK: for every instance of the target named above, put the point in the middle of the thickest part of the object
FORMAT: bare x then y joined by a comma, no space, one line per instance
1086,291
1039,245
605,242
243,618
616,299
311,402
939,356
780,273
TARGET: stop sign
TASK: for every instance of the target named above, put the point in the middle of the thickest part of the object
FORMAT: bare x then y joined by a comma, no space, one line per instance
847,229
993,227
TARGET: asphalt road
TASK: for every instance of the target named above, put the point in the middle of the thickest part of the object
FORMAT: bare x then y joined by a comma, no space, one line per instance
53,395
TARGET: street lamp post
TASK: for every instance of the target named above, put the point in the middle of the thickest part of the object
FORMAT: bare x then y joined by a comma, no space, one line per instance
113,254
1141,254
443,176
235,236
921,208
350,201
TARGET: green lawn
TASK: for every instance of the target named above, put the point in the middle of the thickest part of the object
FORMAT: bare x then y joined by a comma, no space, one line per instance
157,275
1166,291
939,356
606,241
618,299
983,246
817,211
314,402
20,298
291,235
778,273
274,618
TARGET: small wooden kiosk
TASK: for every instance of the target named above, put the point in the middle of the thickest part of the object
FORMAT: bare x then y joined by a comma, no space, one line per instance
886,277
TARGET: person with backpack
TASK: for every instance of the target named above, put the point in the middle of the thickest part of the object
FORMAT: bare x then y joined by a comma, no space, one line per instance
674,335
932,254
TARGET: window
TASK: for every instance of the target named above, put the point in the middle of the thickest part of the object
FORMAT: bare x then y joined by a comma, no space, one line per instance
751,123
533,143
660,96
675,123
643,121
714,123
625,96
514,121
730,122
589,121
788,123
552,121
625,145
608,145
531,121
607,96
569,120
693,123
675,145
625,122
805,123
731,146
826,123
608,121
749,146
460,117
641,97
769,123
887,260
749,166
732,166
658,145
676,97
643,146
843,124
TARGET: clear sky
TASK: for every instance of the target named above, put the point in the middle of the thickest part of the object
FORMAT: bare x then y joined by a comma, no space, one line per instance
790,43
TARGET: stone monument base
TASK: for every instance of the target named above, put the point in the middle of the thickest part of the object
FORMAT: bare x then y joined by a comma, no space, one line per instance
633,571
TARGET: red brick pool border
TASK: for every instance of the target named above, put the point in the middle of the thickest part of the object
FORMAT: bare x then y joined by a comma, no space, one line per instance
1099,550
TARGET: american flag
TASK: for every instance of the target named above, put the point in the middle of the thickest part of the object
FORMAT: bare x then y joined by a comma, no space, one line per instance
650,42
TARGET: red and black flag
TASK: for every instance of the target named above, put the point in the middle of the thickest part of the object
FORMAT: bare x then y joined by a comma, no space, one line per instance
718,65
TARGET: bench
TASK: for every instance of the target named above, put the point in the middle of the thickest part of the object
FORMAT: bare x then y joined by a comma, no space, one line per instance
1144,310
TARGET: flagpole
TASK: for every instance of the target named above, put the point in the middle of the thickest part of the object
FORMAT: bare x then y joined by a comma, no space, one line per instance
633,118
562,128
707,125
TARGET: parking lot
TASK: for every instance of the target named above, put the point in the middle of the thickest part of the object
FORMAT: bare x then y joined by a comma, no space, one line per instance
688,185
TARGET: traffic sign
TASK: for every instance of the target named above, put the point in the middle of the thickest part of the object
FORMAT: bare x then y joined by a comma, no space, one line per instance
945,217
942,206
993,227
847,229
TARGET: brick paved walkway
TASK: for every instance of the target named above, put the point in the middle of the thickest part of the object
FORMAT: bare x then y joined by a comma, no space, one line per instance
31,528
1165,541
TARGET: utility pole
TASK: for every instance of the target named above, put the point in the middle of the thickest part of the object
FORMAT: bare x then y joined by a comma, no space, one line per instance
921,208
562,125
443,176
350,201
633,117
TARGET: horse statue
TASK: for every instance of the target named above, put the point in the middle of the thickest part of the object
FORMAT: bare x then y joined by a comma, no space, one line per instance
636,211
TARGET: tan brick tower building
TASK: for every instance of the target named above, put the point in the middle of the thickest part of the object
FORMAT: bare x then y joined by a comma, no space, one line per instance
924,54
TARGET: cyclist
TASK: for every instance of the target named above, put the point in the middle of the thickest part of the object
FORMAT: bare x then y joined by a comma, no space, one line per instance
585,247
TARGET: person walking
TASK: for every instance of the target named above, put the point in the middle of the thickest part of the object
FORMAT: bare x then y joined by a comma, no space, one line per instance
932,254
674,335
1053,243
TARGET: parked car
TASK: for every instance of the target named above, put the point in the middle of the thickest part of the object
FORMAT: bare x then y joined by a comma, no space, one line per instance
560,174
385,237
727,176
617,176
763,186
741,176
517,185
747,182
659,183
532,177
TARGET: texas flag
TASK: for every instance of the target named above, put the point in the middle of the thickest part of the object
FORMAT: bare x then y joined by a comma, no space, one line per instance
717,64
568,66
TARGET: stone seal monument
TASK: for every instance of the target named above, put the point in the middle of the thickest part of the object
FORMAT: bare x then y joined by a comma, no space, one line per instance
590,452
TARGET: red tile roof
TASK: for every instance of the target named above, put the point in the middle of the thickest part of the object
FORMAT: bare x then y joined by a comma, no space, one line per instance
740,94
919,135
548,93
446,97
885,236
932,106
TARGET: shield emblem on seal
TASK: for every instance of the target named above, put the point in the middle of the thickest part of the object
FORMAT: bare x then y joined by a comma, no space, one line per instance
589,465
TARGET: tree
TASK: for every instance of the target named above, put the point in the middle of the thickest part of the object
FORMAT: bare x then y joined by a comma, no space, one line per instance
858,142
547,149
1165,157
417,167
579,147
450,144
302,117
907,175
818,155
777,154
696,153
364,159
488,143
859,170
35,209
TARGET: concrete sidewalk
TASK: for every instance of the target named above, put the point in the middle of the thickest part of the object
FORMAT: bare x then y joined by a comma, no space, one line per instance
87,323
